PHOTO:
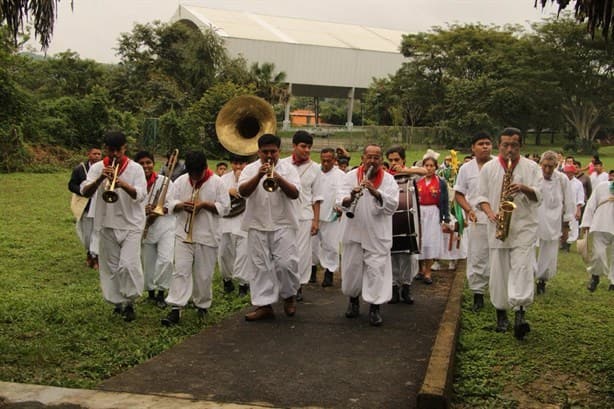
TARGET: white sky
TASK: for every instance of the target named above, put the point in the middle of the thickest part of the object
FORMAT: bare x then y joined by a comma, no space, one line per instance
93,27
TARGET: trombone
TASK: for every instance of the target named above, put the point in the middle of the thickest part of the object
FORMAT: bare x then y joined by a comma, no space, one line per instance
160,196
189,223
269,183
110,195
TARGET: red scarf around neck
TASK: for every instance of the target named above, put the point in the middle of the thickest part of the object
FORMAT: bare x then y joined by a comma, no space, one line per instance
201,181
152,180
123,163
379,176
298,162
503,162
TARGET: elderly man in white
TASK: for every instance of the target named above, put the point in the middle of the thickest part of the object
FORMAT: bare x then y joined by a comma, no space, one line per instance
511,259
366,267
598,221
557,204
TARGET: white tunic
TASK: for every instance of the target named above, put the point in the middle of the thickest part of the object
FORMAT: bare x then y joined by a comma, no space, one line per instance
577,191
206,224
467,182
598,178
523,226
599,210
231,224
330,183
163,224
557,203
311,189
270,211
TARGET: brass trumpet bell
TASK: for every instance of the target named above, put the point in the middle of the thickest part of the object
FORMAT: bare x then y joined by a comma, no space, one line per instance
243,120
110,196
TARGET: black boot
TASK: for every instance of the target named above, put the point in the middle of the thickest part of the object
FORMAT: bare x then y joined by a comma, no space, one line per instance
502,322
521,327
478,302
299,294
201,313
314,271
395,295
611,287
353,308
406,294
151,296
592,284
128,313
160,299
541,287
228,286
375,318
243,290
328,279
172,318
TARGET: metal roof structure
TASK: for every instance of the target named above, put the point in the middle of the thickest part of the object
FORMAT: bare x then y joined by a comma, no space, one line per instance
320,59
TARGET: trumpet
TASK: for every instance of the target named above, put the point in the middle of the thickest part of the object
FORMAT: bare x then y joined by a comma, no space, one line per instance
352,208
189,223
110,195
159,209
269,183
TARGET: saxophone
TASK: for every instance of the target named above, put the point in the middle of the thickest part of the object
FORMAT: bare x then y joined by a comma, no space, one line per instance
506,204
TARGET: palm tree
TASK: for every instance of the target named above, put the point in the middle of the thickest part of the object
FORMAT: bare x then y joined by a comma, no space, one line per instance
270,86
598,13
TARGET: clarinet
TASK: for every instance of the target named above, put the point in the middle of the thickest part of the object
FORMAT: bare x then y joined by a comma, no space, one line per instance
352,208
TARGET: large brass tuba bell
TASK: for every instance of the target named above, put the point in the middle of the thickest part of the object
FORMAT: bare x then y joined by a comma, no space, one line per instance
243,120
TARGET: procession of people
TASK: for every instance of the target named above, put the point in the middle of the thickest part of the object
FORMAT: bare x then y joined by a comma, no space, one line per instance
269,224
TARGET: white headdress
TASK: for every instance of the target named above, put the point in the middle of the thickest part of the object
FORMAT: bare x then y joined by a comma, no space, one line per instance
430,154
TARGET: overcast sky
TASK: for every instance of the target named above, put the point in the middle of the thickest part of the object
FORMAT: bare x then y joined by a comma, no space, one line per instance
93,27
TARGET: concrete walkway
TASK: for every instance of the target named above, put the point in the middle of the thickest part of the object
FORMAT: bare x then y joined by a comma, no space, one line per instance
318,358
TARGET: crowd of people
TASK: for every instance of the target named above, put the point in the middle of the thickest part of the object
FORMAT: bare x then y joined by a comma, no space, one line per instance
269,223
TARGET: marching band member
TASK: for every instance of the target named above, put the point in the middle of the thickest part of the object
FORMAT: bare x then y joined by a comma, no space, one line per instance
577,193
405,259
511,270
120,218
271,223
158,243
309,203
557,204
232,255
476,234
373,196
199,201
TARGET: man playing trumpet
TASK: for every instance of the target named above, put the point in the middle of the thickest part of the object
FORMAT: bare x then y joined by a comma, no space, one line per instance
120,221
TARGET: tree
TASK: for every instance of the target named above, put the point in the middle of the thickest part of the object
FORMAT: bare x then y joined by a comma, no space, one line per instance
597,13
269,85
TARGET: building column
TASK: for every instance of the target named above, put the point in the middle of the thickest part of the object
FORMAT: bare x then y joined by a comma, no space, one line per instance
286,124
349,125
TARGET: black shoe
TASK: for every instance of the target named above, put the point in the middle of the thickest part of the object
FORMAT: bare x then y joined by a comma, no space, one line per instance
151,296
375,318
502,322
328,279
299,294
592,284
172,318
353,310
541,287
160,299
314,271
118,310
406,294
419,277
521,327
243,290
611,287
129,314
478,302
228,286
395,295
202,313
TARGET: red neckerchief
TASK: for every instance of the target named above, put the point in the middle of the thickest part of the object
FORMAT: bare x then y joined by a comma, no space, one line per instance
207,175
123,163
503,162
379,176
392,171
298,162
151,180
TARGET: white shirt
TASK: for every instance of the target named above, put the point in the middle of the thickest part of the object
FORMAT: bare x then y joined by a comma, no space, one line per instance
205,228
557,202
467,182
270,211
598,178
231,224
331,183
127,213
577,191
599,210
523,226
372,222
311,191
163,223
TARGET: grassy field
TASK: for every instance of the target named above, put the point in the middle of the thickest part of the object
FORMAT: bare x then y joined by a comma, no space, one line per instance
55,329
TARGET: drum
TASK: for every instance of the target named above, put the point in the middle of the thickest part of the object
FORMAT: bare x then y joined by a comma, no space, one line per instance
406,219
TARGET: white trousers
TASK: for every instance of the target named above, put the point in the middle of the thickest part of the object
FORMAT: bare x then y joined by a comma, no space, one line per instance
303,246
547,259
603,243
511,277
121,275
274,259
87,235
232,258
366,272
193,275
329,237
574,231
478,263
404,268
158,261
